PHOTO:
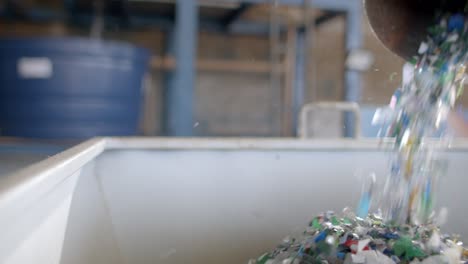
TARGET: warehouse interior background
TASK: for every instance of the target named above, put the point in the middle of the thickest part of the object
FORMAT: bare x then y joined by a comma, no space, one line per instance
229,68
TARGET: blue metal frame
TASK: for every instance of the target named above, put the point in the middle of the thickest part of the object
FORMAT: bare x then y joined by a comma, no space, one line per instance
329,15
234,15
299,85
352,77
332,5
180,92
353,11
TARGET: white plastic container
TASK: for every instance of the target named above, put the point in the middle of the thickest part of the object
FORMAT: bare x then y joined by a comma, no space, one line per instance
141,201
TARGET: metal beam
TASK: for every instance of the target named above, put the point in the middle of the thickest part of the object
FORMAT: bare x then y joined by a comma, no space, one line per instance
234,15
14,9
327,17
180,90
299,84
353,83
168,83
165,23
338,5
251,28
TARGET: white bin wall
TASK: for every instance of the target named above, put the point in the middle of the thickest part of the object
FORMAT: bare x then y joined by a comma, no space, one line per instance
89,236
33,225
169,207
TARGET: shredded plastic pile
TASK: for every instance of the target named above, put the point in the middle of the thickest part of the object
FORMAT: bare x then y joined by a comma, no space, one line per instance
350,239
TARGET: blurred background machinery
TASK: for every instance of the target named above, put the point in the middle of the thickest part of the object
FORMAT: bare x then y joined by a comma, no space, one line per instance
70,87
195,68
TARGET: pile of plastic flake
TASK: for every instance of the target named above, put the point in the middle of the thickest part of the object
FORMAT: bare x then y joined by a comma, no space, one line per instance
350,239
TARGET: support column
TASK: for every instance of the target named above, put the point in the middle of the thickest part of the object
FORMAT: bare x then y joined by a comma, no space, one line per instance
353,83
300,76
179,94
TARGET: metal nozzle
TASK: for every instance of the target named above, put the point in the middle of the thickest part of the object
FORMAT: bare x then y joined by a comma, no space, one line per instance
401,25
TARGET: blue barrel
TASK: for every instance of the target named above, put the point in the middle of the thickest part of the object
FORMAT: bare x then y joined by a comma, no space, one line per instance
70,88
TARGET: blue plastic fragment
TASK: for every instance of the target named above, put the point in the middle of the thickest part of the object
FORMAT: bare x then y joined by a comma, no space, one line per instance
397,94
456,22
445,67
341,255
300,252
391,236
321,237
405,119
395,168
364,205
388,252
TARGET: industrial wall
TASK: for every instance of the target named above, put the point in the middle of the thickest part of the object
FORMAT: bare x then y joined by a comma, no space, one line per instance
239,102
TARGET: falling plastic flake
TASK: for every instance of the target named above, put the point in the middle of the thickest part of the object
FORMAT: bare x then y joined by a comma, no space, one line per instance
405,229
419,110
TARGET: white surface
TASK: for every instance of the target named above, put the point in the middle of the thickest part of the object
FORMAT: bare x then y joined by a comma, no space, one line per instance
34,206
192,200
35,67
90,235
219,206
325,119
360,60
39,232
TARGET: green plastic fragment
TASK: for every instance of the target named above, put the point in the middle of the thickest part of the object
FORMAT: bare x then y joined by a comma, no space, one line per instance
447,78
438,64
347,221
401,246
416,252
263,258
405,249
413,60
460,89
335,221
436,30
316,224
445,47
323,247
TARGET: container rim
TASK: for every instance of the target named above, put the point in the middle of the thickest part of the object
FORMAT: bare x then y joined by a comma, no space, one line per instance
213,143
48,173
74,45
